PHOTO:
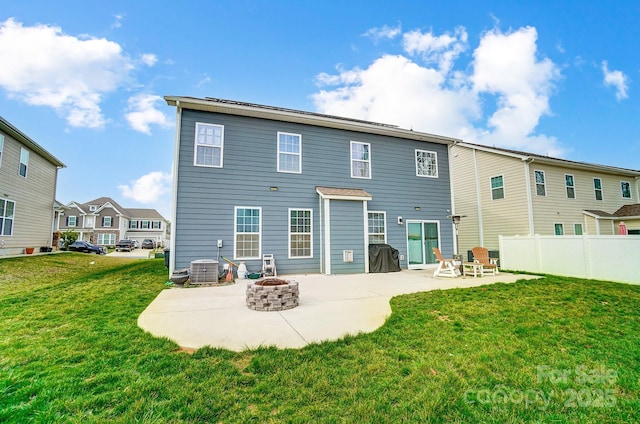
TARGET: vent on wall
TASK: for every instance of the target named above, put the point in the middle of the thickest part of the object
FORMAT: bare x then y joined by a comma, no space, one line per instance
347,255
203,271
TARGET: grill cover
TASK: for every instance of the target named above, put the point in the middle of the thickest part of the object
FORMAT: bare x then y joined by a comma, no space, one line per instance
383,258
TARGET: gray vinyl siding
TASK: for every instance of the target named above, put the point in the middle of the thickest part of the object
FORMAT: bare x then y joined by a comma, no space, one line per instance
347,233
206,197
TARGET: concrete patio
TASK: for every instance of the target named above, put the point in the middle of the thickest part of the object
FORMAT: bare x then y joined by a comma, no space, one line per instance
331,306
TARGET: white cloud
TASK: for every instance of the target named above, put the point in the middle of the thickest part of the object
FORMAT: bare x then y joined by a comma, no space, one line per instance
149,188
615,79
149,59
384,32
45,67
143,113
118,20
498,98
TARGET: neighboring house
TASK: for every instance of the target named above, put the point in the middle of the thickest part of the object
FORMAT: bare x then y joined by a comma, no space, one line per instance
313,190
506,192
103,221
28,178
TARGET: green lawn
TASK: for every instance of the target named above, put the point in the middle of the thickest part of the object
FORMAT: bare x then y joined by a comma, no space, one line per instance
549,350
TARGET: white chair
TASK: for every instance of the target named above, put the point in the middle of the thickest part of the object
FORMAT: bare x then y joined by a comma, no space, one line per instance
446,267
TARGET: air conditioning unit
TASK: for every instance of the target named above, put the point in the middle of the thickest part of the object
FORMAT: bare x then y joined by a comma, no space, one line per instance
203,271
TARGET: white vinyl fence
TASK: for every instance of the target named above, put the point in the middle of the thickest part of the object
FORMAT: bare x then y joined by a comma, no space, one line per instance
609,258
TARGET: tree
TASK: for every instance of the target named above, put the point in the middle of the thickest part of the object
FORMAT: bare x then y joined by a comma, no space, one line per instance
67,238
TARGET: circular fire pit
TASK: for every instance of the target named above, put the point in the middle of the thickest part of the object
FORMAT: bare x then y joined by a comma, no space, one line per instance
272,294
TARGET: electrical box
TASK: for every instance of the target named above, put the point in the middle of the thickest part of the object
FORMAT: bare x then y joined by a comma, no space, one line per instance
347,255
219,243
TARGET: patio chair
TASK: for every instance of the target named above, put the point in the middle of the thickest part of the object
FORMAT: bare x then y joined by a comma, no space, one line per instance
446,267
481,255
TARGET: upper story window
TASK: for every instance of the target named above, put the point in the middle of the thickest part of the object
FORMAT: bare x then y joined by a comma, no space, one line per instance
625,186
426,163
24,162
145,224
597,188
377,227
300,233
497,188
72,221
360,160
570,186
209,145
156,225
541,187
107,221
247,234
289,152
1,147
133,224
93,208
7,208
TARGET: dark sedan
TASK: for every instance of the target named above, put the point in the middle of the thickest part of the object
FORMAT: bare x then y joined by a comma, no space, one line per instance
86,247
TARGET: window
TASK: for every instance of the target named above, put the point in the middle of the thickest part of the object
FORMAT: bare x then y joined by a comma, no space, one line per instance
133,224
156,225
93,208
106,239
247,233
497,188
577,229
289,152
377,227
72,221
300,233
597,188
24,162
7,208
541,188
144,224
625,186
360,160
107,221
1,147
209,145
426,163
559,229
570,186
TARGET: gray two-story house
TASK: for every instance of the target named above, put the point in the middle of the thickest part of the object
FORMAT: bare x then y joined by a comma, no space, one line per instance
28,179
312,190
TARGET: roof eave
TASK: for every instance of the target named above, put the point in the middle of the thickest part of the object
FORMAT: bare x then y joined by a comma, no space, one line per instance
8,128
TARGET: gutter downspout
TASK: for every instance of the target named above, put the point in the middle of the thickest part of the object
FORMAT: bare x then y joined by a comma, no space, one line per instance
478,199
453,197
526,162
174,207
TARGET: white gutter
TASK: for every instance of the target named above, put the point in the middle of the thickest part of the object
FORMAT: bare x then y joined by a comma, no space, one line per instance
478,198
526,162
174,206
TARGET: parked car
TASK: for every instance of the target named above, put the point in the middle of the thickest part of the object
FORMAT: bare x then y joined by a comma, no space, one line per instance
148,244
123,245
86,247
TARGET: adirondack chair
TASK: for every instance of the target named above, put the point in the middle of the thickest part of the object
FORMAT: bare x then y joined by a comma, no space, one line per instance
481,255
446,267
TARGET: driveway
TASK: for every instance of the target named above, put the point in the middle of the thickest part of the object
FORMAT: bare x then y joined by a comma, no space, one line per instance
331,306
134,254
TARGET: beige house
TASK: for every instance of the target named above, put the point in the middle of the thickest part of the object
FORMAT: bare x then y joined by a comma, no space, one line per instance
104,222
28,178
506,192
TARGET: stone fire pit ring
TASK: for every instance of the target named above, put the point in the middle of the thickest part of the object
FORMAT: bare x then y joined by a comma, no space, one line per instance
272,294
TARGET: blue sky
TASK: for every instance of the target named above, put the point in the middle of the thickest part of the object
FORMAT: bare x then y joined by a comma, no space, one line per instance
85,79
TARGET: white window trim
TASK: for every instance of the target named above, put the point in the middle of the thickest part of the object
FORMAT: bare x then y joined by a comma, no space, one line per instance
26,163
299,154
418,168
195,145
290,233
581,228
567,186
384,218
622,192
112,239
543,184
554,229
235,232
13,218
1,148
491,188
75,224
595,190
110,221
358,160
